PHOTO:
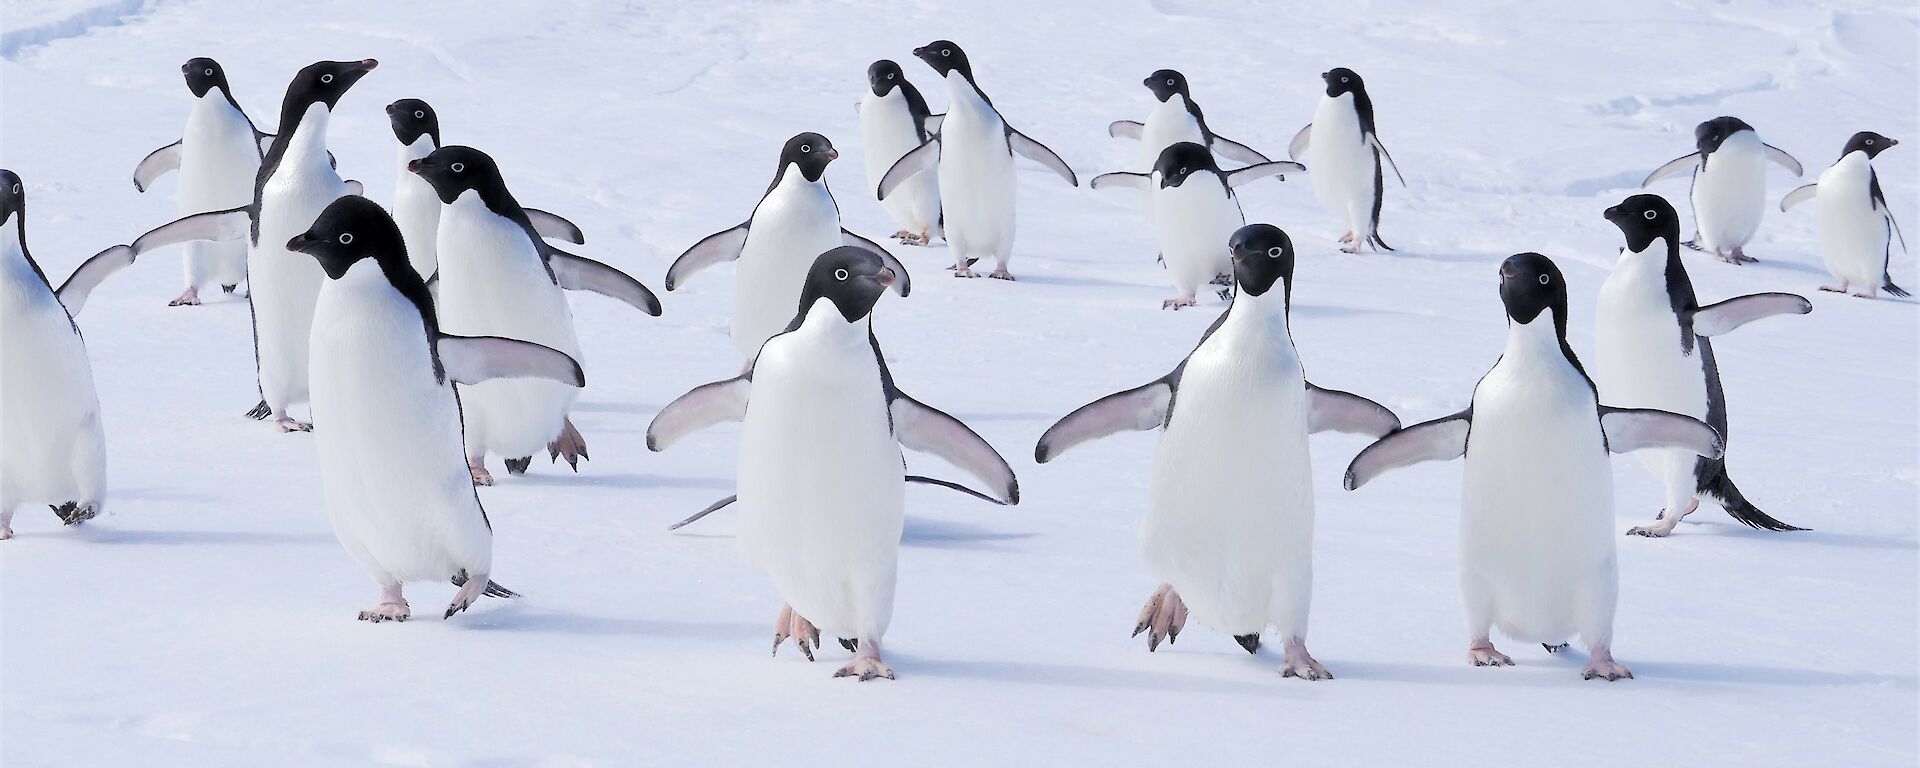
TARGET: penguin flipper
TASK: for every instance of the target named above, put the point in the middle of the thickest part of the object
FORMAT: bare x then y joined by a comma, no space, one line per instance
1119,179
921,158
230,224
711,508
553,226
720,246
156,164
1798,196
1382,149
1126,129
579,273
927,429
1301,140
91,273
1332,409
1233,150
1439,439
1785,160
1673,167
1026,147
901,286
474,359
1241,176
1139,409
1631,429
950,485
1721,317
702,407
932,123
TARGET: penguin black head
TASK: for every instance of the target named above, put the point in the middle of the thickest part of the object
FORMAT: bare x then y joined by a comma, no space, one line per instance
13,196
945,57
1707,136
1342,80
412,118
1642,218
811,152
203,75
852,278
883,76
1180,160
350,229
1165,83
1869,142
1262,255
1530,283
323,82
454,169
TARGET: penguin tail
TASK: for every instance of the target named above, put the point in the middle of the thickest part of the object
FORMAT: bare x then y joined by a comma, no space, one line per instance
1377,243
1889,287
494,589
1715,483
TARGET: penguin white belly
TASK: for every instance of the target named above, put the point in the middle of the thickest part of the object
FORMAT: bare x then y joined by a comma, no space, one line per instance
1230,524
887,132
416,208
1340,165
821,481
1729,194
283,284
1853,236
1536,538
219,159
976,180
398,493
1168,124
792,226
1641,363
493,283
52,447
1195,220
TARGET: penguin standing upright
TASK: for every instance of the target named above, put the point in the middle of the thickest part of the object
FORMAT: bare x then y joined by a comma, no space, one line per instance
1195,212
396,491
499,278
795,220
820,464
1343,148
1229,529
1857,228
53,449
1655,351
1537,555
1729,185
973,153
1176,118
893,120
218,156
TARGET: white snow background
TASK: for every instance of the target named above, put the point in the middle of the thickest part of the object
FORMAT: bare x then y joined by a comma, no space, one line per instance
208,619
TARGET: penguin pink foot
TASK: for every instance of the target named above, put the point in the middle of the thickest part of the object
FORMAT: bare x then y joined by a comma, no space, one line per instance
289,424
964,272
1664,524
866,664
570,445
478,468
189,298
392,607
1301,664
469,592
1183,300
1001,273
1483,654
791,624
1841,288
1601,666
1162,617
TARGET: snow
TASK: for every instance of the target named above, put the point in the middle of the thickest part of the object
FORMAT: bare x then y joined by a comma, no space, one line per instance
207,619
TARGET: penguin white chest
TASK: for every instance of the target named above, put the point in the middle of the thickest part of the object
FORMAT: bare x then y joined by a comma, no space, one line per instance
1194,221
795,223
52,447
887,132
1853,234
1168,124
1730,191
416,208
1641,362
976,172
284,284
218,157
1340,164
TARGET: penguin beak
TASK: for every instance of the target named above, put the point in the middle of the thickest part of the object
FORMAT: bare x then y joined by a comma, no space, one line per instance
886,277
1612,212
367,65
301,242
1893,142
832,154
417,165
389,110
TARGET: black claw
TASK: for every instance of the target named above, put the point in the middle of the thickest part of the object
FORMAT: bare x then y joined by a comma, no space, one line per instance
1141,627
1250,642
852,646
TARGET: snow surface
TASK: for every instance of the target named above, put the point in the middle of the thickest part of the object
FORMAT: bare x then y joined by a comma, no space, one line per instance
208,618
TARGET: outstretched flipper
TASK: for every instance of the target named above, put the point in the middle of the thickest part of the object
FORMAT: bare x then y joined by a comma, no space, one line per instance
704,406
1674,167
720,246
1278,168
1118,179
579,273
92,272
1298,147
1631,429
1332,409
553,226
921,158
218,226
1374,141
1785,160
927,429
1026,147
156,164
1718,318
1233,150
1798,196
1126,129
1139,409
474,359
1436,440
902,284
711,508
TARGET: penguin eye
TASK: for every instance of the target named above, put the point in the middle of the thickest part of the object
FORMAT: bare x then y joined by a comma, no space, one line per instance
328,78
1544,279
419,114
945,52
1169,81
840,274
459,167
1183,170
346,238
1343,78
209,73
805,148
1274,252
16,189
1651,215
1869,142
889,75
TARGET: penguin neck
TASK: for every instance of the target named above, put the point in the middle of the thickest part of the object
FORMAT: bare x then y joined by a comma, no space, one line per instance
965,96
789,181
308,145
824,322
1538,342
19,266
421,147
1266,311
1648,261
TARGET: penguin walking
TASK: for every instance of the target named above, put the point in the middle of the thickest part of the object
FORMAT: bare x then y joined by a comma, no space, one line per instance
218,156
1229,528
396,492
1343,147
821,469
1729,185
893,120
1857,228
794,222
1176,118
497,277
1194,211
973,155
1656,351
1537,555
53,450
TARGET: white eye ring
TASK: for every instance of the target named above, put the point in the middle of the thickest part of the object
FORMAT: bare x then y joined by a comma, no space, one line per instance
1869,141
945,52
326,78
1651,215
459,167
1544,279
209,73
1169,81
16,189
805,148
1183,169
346,238
1343,79
419,113
1273,252
840,274
889,75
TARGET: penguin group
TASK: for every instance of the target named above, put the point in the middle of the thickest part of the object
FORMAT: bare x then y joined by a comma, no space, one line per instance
431,336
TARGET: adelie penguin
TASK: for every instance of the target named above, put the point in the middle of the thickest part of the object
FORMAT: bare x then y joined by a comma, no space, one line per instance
1729,167
1537,552
1194,210
1857,228
795,220
218,157
497,277
973,154
1655,345
416,207
1229,528
821,471
1176,118
53,450
893,120
397,493
296,181
1342,146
